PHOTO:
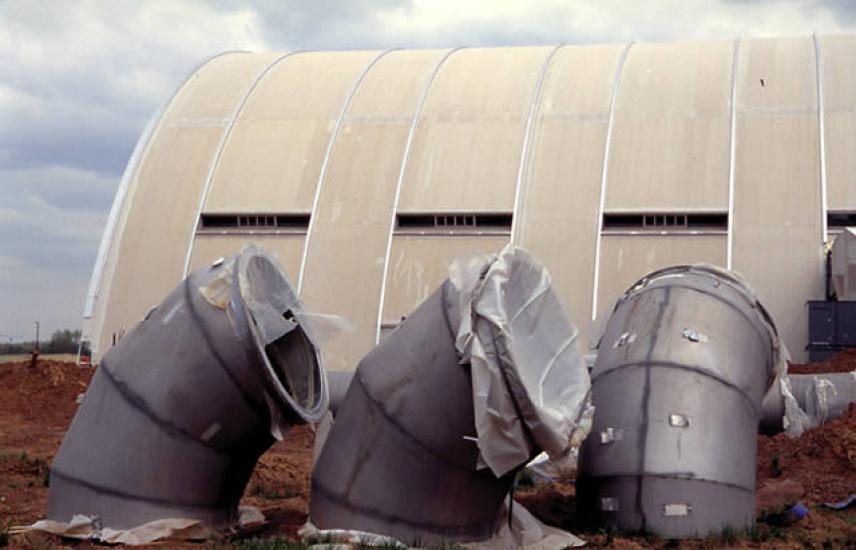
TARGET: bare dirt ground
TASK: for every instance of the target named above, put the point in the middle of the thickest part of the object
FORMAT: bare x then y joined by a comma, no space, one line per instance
36,406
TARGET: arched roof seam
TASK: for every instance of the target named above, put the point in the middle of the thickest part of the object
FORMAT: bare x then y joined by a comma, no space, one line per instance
398,184
821,139
732,154
125,191
525,148
616,85
215,162
326,161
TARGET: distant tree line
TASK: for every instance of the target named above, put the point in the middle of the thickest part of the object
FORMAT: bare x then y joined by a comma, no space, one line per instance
62,341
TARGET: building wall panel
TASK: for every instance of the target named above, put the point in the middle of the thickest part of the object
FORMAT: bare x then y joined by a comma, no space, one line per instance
149,259
274,154
466,149
839,98
777,218
627,258
560,190
345,262
287,249
671,137
419,264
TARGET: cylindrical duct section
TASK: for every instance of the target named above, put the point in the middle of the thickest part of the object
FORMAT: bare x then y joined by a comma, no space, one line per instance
182,407
413,452
682,366
817,399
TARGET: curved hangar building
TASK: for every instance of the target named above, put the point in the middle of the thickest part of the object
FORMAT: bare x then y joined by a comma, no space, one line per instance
368,172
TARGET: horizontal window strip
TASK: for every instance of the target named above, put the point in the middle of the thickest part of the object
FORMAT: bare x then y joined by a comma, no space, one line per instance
664,221
455,222
841,219
242,222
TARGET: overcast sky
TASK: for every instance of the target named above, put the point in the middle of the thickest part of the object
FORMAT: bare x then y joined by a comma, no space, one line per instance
79,79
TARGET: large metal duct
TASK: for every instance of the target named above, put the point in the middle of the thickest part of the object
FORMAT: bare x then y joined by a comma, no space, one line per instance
182,407
817,399
682,367
412,453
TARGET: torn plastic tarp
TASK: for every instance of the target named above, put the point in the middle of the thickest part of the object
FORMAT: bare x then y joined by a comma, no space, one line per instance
528,376
523,532
813,399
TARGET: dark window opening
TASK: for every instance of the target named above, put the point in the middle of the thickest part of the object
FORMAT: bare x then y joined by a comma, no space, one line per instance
455,221
254,221
841,219
665,221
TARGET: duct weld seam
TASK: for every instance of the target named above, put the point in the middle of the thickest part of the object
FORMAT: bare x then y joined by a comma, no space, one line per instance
682,367
448,407
181,408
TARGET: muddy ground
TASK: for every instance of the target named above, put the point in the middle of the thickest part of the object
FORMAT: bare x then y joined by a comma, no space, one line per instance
37,404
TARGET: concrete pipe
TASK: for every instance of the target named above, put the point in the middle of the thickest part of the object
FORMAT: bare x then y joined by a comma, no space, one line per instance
411,453
182,407
682,367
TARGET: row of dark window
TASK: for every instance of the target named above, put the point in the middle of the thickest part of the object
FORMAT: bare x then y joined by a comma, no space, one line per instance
665,221
500,221
454,221
255,221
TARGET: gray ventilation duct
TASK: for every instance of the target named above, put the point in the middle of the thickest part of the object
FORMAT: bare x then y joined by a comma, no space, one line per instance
441,415
182,407
805,401
683,364
338,382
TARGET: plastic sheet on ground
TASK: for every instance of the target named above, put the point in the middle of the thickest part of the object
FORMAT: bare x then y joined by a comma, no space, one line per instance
524,531
87,528
530,383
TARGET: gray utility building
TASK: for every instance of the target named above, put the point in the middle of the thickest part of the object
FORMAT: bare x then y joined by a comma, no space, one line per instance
367,172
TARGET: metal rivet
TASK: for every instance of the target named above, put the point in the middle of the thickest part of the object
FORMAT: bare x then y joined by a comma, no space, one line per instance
609,504
694,336
611,434
678,420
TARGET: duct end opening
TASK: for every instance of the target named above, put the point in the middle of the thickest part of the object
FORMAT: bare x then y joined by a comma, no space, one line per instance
290,358
294,360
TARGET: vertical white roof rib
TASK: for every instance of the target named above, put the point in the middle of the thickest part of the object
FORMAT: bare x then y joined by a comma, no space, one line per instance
732,151
619,70
325,163
821,138
524,150
215,162
404,158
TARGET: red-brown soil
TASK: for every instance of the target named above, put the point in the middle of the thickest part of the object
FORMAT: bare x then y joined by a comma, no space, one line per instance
36,406
843,361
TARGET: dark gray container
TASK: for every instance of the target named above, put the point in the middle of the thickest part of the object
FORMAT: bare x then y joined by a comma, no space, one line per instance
681,369
180,410
401,457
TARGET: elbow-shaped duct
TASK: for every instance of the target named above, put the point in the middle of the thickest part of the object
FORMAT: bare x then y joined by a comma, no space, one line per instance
416,451
683,364
182,407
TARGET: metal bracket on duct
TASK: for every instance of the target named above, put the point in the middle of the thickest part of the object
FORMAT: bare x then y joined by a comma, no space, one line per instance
484,372
686,357
181,408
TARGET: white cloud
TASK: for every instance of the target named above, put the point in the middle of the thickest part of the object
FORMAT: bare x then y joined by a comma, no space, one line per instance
80,79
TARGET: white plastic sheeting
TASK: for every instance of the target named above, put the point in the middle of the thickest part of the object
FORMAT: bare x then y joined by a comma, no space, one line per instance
530,382
812,400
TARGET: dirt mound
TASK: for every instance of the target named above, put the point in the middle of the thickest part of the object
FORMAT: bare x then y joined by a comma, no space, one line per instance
46,393
843,361
823,460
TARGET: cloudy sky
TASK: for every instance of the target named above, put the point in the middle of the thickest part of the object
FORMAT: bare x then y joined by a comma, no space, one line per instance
79,79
